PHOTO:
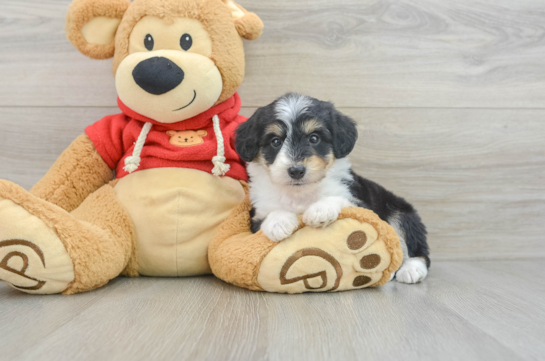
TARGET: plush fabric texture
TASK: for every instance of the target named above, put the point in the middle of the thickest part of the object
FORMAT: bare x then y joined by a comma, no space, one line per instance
98,236
32,257
100,30
78,172
83,11
250,26
236,255
175,212
227,51
320,260
114,137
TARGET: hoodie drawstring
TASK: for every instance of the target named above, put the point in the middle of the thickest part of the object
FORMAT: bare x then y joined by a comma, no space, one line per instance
133,162
220,168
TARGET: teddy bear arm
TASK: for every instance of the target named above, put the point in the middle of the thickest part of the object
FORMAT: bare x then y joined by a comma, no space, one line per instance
78,172
358,250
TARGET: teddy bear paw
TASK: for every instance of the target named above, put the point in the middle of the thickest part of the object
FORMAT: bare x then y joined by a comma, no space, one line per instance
346,255
32,257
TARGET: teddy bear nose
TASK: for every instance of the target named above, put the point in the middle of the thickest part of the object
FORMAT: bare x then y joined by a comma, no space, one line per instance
157,75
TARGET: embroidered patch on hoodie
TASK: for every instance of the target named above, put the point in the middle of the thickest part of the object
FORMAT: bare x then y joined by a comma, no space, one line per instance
186,138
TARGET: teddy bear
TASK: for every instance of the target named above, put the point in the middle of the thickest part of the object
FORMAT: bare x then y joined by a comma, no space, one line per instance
158,189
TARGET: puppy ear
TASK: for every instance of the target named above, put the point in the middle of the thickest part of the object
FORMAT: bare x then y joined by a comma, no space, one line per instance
172,132
202,133
344,133
248,25
91,26
247,137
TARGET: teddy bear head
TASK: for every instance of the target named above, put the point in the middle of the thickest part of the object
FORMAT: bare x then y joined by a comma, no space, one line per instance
173,59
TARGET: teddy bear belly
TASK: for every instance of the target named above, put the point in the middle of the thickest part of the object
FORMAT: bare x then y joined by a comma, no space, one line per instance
175,213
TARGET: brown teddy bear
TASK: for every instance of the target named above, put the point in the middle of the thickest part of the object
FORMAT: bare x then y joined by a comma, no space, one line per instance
146,191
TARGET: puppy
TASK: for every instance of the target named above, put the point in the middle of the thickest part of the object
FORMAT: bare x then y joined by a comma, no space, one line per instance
296,150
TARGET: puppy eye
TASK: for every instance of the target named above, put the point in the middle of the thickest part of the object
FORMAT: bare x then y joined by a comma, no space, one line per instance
314,139
148,42
276,142
186,41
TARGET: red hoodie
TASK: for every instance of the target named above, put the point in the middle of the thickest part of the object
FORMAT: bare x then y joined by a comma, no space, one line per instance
190,143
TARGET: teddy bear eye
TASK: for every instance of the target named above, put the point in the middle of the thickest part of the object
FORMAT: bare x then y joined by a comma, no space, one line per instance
148,42
186,41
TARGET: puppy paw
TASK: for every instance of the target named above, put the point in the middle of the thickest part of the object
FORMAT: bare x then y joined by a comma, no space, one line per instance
321,214
413,270
279,225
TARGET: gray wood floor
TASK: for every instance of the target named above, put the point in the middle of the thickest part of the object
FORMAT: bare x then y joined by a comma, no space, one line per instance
481,310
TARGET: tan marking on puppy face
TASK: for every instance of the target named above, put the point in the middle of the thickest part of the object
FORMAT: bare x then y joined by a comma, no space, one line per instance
317,167
310,126
261,160
274,129
186,138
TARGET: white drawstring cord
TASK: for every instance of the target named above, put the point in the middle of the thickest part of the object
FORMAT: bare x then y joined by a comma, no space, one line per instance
220,168
133,162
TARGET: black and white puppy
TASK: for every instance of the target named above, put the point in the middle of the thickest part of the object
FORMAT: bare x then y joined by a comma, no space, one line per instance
296,150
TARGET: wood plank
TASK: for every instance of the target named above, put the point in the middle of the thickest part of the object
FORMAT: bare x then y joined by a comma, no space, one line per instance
26,319
363,53
203,318
206,319
502,298
33,138
477,177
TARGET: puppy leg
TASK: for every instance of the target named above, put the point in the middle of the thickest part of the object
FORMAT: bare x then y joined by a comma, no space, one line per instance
279,225
412,236
413,270
324,212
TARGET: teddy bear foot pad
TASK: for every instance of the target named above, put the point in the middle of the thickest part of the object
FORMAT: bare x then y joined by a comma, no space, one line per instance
32,257
346,255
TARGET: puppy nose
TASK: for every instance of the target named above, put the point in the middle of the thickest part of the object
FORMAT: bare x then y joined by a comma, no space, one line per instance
157,75
297,172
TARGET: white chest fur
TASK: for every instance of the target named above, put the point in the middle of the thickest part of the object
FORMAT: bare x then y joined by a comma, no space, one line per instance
268,197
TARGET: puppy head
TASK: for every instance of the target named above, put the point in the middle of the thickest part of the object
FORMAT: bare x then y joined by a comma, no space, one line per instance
296,139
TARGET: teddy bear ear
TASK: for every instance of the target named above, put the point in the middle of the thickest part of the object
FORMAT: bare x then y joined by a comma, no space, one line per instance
248,25
91,26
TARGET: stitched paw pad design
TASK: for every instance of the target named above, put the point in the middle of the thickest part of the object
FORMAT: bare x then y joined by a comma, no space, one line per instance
32,257
346,255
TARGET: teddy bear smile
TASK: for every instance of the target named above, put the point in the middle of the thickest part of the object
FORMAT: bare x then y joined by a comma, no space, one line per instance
192,100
